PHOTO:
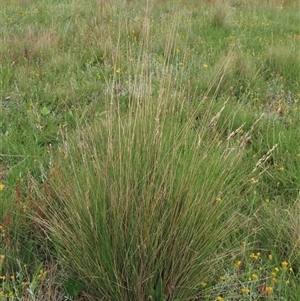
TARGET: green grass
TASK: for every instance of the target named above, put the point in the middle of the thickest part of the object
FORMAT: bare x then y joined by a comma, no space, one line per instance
149,150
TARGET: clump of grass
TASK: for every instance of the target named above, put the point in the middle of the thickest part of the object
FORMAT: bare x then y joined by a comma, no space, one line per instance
283,61
150,198
220,15
234,74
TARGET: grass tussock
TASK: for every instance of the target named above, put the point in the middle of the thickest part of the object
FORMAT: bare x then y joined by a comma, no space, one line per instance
235,72
150,199
220,15
283,61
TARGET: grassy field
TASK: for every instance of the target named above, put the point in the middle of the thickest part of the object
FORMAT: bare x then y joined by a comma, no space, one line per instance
150,150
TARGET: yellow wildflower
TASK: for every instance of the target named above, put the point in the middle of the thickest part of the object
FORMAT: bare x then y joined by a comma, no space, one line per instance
269,289
42,275
238,263
1,186
203,284
254,256
245,290
284,264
